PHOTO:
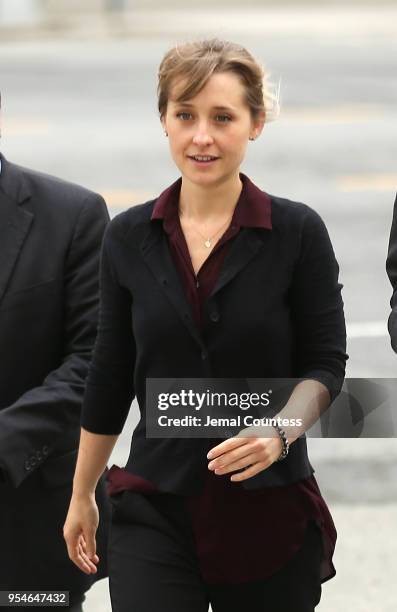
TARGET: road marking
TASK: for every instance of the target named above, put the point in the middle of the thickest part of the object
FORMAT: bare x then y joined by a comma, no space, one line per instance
367,329
18,127
367,182
333,114
125,198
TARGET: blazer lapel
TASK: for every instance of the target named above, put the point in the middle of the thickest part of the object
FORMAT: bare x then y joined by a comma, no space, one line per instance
14,220
156,253
244,247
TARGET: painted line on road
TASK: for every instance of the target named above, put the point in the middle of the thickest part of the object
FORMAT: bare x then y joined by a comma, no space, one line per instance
125,198
367,182
24,127
335,114
367,329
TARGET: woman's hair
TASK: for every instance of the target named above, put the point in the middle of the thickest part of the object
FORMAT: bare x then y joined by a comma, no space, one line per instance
193,63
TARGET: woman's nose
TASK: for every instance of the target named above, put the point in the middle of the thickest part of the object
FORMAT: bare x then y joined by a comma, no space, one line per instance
202,135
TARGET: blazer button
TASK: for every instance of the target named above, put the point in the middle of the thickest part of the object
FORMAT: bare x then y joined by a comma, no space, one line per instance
204,355
214,316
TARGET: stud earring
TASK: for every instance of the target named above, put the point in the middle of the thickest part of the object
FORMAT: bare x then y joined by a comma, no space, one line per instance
166,134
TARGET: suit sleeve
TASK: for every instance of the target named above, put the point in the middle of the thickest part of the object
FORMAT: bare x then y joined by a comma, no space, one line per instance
110,385
46,418
317,308
391,268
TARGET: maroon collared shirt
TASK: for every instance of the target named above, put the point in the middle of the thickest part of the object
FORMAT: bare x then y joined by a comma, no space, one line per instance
231,524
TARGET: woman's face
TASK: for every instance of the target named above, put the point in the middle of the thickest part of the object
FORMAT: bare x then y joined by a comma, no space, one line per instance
216,123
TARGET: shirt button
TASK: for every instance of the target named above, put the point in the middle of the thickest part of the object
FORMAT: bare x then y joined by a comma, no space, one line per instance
214,316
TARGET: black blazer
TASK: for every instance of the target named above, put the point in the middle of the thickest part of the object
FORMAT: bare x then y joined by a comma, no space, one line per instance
391,268
276,311
50,236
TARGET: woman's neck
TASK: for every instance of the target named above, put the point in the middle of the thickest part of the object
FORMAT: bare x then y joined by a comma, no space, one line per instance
199,203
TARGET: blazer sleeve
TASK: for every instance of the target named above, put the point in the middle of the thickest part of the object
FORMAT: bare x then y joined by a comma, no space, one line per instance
46,419
110,386
317,308
391,268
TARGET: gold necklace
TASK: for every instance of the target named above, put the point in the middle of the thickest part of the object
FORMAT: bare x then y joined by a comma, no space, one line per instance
208,241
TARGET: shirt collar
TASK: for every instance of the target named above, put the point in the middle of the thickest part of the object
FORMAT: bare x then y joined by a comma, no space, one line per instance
253,208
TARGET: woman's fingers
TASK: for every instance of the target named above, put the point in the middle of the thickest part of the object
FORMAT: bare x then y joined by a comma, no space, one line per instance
91,555
238,465
74,550
252,470
79,533
85,557
259,453
246,448
77,553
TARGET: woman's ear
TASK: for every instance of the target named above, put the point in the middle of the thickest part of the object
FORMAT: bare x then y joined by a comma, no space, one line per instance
258,124
163,124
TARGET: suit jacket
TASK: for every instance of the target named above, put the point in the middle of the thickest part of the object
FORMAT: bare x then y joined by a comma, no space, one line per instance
275,312
391,268
50,236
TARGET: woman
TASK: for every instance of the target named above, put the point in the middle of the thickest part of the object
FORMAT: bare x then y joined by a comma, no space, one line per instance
213,279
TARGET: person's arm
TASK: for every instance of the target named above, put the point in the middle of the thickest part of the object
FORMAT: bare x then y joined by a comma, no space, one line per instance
391,268
49,415
308,400
320,339
107,400
83,518
317,309
319,323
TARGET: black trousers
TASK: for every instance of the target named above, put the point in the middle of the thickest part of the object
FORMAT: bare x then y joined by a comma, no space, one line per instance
153,566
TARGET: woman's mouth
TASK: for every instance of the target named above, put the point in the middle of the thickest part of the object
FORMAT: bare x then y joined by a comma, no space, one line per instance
203,160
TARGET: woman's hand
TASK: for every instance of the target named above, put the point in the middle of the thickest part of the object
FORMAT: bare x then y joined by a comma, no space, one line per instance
79,532
249,451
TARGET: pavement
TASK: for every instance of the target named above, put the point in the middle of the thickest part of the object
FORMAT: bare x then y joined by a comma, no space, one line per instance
308,19
365,562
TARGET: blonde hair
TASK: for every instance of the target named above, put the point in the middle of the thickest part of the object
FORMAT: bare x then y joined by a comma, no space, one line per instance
195,62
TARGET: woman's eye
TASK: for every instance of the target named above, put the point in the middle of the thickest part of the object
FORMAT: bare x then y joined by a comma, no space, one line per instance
224,118
185,116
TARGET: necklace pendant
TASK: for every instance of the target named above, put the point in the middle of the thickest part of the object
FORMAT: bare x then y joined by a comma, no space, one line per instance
207,243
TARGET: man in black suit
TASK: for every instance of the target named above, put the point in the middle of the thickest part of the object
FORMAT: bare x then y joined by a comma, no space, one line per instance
50,236
391,267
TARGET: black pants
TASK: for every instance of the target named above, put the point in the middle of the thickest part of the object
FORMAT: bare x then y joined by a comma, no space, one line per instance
153,566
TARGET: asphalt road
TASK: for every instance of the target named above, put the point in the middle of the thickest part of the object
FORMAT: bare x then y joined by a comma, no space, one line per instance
84,108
